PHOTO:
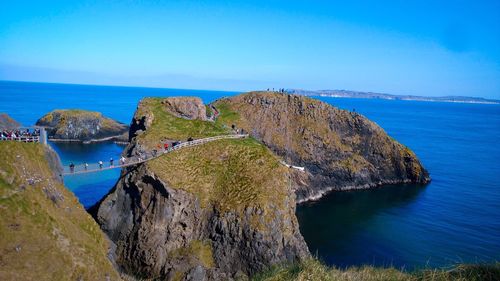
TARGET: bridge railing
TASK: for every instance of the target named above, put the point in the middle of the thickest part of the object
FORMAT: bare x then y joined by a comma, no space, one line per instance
21,139
143,157
24,134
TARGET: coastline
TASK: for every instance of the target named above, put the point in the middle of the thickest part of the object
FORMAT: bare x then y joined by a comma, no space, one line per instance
405,99
111,138
323,192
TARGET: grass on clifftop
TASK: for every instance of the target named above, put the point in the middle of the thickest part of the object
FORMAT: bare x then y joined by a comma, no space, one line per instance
312,270
231,174
45,233
167,126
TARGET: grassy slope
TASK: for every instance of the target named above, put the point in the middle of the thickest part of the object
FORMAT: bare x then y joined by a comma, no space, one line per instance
45,233
168,126
230,174
314,270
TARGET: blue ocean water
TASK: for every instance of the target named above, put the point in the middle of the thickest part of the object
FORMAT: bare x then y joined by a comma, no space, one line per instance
456,218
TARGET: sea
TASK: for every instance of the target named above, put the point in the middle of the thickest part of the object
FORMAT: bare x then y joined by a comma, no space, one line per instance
454,219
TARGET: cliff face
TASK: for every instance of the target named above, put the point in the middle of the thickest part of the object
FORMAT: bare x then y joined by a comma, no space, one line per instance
81,125
45,233
186,107
7,123
216,211
339,149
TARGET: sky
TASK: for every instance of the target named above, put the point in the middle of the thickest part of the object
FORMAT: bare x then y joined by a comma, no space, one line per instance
431,48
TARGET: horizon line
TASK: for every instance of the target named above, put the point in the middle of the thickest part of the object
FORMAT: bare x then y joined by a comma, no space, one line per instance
239,91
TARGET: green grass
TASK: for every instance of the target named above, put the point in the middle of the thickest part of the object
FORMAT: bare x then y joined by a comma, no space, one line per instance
208,109
201,251
229,174
55,239
312,269
167,126
227,116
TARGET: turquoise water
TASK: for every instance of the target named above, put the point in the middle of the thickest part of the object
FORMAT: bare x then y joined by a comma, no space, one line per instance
456,218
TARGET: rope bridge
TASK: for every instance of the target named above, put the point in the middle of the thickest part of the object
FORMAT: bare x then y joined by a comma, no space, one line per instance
144,157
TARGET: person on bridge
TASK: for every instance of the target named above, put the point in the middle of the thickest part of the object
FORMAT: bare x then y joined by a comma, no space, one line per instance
100,164
71,167
111,162
86,166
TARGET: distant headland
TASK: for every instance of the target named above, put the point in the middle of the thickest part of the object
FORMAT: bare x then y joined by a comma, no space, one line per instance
372,95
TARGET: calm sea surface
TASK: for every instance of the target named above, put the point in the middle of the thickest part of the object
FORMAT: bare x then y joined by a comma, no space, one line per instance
456,218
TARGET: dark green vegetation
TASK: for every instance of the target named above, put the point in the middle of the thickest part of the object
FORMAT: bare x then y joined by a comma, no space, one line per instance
45,233
312,269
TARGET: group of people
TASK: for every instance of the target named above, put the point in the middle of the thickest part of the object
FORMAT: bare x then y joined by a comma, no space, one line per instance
21,135
163,146
85,165
280,90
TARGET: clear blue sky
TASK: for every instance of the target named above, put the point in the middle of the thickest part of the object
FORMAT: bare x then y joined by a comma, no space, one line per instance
400,47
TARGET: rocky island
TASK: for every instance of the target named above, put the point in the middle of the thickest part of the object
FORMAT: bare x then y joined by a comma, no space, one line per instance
340,150
82,126
221,210
227,209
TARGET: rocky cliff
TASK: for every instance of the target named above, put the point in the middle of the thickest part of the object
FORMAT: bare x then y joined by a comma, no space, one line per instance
81,125
339,149
217,211
45,233
7,123
186,107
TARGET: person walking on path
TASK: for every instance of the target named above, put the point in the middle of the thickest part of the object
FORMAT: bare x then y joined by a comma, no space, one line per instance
122,160
165,146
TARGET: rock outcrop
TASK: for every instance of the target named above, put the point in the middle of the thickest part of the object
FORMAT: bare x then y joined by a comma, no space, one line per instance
226,209
219,211
340,149
45,233
81,125
186,107
7,123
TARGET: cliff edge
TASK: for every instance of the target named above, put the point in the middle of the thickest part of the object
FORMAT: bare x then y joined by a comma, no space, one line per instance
45,233
340,150
219,211
7,123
